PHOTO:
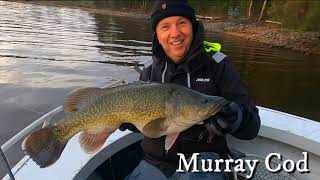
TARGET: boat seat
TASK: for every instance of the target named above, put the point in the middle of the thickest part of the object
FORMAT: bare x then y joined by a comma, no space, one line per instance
120,164
236,154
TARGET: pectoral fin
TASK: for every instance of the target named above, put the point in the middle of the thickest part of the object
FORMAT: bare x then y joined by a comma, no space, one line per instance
155,128
170,140
91,141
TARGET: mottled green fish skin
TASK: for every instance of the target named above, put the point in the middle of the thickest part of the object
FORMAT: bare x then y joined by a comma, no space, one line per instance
155,109
137,104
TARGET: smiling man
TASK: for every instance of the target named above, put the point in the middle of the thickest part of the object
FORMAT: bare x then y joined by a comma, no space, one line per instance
175,36
181,56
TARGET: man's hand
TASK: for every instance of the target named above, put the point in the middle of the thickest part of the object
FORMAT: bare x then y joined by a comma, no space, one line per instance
228,120
129,126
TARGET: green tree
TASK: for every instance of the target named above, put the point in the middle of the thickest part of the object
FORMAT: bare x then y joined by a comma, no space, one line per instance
301,15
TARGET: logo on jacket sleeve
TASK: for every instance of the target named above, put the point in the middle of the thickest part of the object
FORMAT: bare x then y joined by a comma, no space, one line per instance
219,56
164,6
203,80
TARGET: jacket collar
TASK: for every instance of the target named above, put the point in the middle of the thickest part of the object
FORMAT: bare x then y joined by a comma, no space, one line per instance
191,62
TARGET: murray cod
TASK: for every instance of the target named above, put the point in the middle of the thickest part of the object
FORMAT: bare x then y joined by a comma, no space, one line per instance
155,109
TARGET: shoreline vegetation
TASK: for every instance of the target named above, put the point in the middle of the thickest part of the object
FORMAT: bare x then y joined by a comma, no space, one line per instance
268,32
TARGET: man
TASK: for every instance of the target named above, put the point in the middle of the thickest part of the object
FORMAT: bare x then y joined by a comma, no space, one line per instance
181,56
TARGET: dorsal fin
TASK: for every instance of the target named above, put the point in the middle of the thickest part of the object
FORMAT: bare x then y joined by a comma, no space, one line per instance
77,99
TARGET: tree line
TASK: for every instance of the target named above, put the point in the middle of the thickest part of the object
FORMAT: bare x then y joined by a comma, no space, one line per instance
292,14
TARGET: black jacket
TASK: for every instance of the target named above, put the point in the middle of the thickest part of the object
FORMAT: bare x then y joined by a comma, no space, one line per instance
202,72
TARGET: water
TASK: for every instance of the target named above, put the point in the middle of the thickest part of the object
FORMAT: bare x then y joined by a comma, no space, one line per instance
45,52
280,79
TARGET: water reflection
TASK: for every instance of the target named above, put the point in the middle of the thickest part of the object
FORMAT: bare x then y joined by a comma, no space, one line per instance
277,78
32,37
124,39
45,52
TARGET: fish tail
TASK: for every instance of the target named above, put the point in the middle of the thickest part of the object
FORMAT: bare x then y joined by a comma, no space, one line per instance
43,146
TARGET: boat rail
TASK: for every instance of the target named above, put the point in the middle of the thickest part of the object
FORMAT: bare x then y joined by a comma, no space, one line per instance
45,121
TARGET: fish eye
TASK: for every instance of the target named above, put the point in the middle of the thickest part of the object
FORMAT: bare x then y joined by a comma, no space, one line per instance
204,101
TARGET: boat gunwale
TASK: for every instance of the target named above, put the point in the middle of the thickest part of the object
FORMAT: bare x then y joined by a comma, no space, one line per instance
289,129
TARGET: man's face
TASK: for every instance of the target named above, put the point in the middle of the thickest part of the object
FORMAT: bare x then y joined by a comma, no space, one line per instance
175,36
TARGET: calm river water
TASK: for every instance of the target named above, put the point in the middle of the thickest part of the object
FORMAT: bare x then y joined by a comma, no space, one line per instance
45,52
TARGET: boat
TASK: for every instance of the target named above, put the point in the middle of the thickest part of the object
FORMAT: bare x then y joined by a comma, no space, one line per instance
280,132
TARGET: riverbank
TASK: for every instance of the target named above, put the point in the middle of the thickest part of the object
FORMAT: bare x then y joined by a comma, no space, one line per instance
305,42
267,33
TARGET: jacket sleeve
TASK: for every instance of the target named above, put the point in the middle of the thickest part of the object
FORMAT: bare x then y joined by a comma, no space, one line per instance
146,74
231,87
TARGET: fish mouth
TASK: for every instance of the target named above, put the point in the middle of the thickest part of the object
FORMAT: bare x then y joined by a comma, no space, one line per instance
214,109
205,115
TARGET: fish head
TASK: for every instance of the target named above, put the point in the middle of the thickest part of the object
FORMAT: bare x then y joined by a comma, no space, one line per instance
188,107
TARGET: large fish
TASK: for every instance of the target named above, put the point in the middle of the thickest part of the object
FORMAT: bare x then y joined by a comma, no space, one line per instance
155,109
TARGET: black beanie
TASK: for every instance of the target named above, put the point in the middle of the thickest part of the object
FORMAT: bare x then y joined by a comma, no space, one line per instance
167,8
